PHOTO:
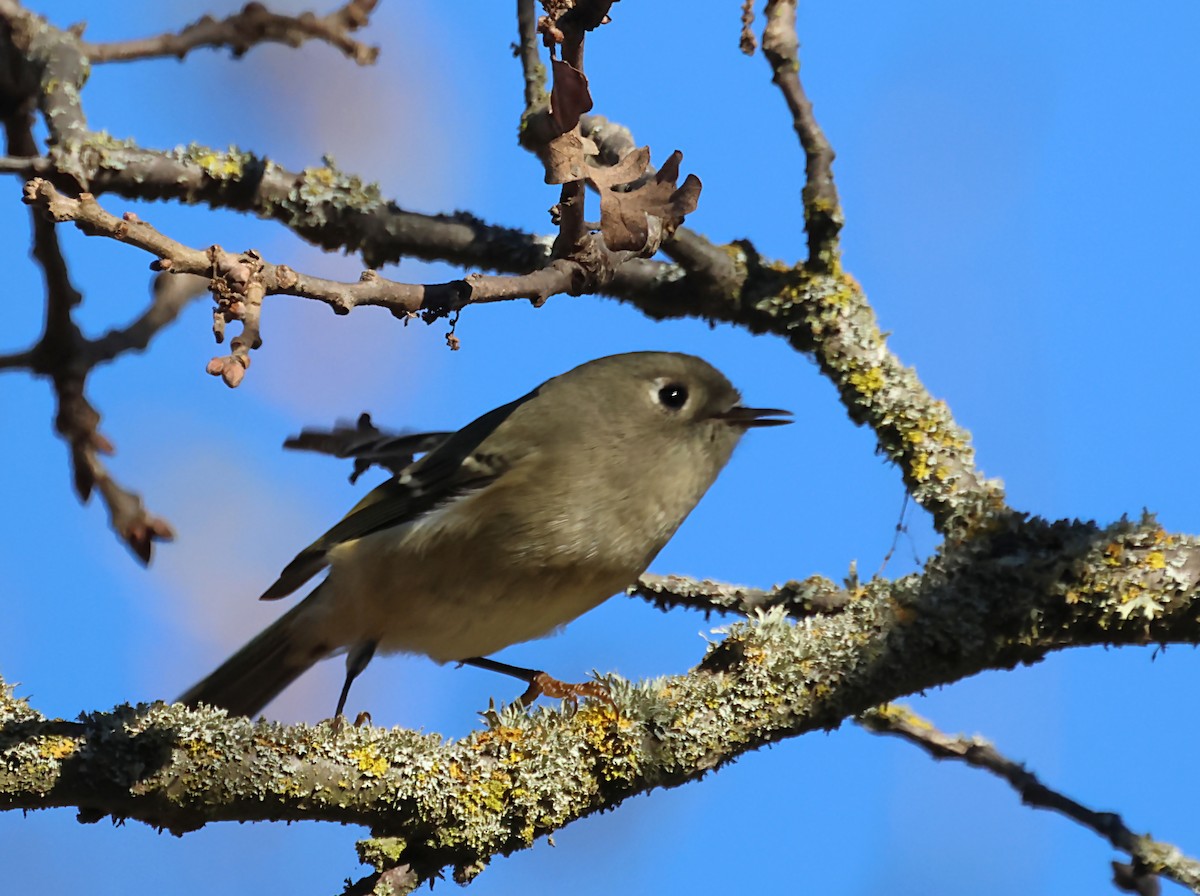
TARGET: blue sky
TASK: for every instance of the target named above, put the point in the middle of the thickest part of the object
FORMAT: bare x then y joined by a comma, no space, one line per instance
1020,190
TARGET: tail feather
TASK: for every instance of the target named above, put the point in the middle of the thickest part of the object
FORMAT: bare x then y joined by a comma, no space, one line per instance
256,674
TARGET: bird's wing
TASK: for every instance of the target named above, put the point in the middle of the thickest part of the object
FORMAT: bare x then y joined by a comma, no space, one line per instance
451,470
367,444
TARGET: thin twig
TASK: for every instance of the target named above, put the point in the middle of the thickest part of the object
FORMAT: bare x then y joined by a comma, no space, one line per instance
813,596
243,30
532,69
170,295
822,209
238,278
1149,856
65,357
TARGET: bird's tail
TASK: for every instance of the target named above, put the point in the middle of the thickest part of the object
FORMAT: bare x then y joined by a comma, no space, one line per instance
273,659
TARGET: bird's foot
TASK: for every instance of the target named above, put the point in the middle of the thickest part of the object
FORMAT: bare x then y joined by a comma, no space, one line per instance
338,722
542,684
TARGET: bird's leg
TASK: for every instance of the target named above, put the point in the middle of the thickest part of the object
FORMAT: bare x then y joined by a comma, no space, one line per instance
356,660
540,683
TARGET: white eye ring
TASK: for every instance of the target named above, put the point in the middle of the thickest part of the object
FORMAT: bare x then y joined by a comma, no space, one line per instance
670,394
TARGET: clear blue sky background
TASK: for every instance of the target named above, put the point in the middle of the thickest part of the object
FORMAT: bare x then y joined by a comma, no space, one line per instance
1021,197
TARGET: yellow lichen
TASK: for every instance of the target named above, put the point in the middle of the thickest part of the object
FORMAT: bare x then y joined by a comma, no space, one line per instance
370,763
1156,560
1133,592
868,381
220,165
54,747
920,467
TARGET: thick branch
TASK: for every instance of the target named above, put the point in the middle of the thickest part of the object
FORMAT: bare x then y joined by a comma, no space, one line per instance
254,25
328,207
1149,856
996,602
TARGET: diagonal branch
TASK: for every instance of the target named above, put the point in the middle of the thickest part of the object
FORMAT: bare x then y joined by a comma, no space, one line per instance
169,296
822,209
823,314
254,25
1150,857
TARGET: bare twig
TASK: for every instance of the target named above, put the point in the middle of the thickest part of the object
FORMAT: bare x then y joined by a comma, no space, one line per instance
536,98
254,25
746,41
65,357
1149,856
639,210
573,236
239,282
170,295
822,209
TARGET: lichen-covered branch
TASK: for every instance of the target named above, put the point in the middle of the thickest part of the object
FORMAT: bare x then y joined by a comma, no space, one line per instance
814,595
331,208
999,601
240,32
1149,857
830,316
47,64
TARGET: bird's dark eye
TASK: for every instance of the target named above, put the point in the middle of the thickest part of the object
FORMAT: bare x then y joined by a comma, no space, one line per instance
673,395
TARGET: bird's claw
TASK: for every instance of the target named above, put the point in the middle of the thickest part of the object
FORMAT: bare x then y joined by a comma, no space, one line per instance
542,684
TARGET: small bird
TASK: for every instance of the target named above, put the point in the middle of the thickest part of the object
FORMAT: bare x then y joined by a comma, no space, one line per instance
504,531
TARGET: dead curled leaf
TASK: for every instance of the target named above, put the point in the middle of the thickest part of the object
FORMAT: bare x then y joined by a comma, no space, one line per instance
564,158
638,219
569,95
565,152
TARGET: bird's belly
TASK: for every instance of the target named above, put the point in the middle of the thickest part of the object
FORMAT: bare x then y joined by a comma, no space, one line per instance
470,607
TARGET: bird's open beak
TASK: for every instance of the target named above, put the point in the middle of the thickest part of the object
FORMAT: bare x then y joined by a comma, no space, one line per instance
747,417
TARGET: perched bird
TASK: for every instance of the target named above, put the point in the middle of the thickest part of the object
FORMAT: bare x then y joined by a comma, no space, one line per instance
506,530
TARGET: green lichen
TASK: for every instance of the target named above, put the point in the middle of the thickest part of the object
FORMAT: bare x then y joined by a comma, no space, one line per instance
224,166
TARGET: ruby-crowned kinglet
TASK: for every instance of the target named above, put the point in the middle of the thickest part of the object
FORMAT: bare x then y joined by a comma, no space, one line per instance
510,528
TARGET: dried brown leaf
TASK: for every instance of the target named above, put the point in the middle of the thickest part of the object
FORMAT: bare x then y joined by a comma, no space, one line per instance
564,158
638,219
569,95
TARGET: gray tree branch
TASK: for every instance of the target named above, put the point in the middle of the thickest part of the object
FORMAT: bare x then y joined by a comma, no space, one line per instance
1149,857
992,603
